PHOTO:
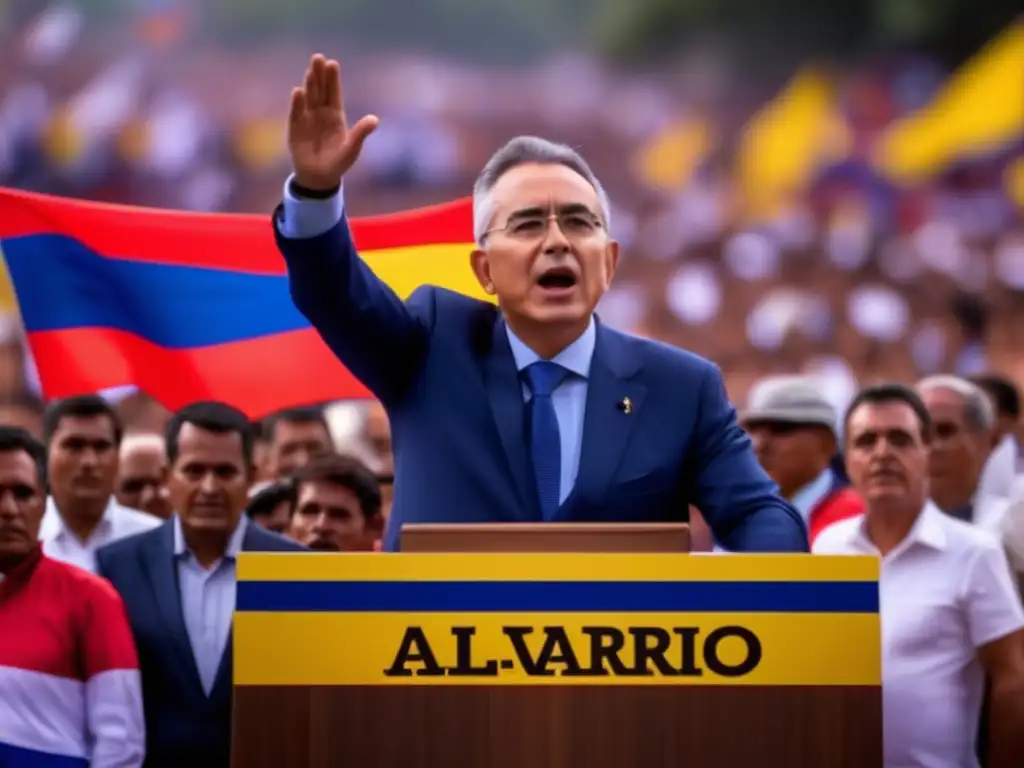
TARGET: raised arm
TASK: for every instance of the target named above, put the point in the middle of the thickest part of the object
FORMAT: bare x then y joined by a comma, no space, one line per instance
361,319
740,503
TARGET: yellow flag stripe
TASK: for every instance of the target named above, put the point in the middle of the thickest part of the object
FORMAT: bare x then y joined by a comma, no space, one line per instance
408,268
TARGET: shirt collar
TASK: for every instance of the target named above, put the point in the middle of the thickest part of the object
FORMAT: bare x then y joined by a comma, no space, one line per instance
808,497
53,527
929,530
234,543
576,357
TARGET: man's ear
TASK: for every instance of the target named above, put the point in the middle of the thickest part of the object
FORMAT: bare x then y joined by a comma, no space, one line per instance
481,266
611,259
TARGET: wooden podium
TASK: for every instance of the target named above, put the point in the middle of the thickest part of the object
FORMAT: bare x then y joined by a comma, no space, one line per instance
526,660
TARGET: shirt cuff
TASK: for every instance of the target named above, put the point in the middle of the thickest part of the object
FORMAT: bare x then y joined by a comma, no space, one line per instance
305,218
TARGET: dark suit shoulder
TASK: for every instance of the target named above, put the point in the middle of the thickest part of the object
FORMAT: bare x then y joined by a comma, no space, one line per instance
446,306
258,539
130,545
661,357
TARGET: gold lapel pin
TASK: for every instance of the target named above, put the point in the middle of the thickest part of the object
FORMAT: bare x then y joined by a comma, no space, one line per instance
627,406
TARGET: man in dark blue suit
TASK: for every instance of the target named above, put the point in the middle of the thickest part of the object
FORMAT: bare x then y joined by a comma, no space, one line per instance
178,583
531,410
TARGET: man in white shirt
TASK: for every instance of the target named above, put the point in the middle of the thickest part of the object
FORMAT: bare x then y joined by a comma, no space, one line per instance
964,433
950,613
1006,462
83,434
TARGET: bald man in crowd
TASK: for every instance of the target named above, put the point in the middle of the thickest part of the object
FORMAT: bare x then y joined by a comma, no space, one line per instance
142,475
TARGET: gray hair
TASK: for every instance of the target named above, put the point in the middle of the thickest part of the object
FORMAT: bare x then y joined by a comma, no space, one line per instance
979,412
520,151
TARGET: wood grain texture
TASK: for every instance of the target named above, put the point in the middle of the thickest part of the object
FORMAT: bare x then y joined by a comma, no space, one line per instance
557,727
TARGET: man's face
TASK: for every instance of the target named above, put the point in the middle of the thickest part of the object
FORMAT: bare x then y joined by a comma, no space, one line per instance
209,480
22,501
329,517
141,480
83,458
549,256
294,444
792,454
886,455
958,452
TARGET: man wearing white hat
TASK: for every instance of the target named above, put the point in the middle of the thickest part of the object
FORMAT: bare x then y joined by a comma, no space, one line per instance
795,433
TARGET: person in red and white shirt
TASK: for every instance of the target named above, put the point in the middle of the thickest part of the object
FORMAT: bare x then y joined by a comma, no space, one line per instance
70,689
949,610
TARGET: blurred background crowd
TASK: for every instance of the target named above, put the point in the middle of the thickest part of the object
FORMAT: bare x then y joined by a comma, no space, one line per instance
834,190
838,191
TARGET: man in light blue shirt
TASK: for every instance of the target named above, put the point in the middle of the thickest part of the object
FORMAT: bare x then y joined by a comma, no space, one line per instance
178,583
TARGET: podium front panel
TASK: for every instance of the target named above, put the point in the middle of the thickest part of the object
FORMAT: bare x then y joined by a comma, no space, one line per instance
540,660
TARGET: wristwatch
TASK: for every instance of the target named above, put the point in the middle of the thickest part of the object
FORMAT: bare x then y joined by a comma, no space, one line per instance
302,192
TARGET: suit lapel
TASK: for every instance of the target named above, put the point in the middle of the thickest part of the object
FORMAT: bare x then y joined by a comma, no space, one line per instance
505,393
615,398
161,568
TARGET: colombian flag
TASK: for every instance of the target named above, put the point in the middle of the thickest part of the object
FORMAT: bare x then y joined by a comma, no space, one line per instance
190,306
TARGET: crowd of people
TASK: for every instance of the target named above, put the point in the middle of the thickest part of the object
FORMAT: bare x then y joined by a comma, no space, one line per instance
141,664
849,276
120,522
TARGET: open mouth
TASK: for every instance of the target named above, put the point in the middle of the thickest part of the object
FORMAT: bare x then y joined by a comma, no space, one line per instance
557,279
886,475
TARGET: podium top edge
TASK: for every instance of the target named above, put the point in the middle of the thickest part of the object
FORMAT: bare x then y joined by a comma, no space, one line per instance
310,566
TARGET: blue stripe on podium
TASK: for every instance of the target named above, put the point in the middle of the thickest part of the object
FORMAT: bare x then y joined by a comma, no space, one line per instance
561,596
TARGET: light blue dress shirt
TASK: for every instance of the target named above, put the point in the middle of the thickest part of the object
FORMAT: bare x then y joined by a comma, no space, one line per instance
569,398
310,218
207,601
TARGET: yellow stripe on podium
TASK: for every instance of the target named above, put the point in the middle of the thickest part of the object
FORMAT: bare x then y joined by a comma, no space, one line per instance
733,649
279,567
556,619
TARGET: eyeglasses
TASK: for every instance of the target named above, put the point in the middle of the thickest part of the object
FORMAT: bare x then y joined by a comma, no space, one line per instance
575,221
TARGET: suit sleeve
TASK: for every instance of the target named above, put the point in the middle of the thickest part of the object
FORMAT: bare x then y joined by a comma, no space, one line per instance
739,501
115,724
367,326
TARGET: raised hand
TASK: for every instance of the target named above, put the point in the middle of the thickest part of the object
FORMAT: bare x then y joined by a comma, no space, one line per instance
322,145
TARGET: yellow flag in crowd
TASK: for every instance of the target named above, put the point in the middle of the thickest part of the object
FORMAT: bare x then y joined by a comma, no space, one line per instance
670,160
980,110
784,145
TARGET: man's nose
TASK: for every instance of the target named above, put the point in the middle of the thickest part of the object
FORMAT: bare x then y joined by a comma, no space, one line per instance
209,483
555,240
759,439
90,458
882,448
8,507
321,523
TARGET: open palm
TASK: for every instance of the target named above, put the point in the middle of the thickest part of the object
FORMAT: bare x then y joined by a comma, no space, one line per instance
322,145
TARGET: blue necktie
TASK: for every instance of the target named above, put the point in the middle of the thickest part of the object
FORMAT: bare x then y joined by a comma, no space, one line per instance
543,378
